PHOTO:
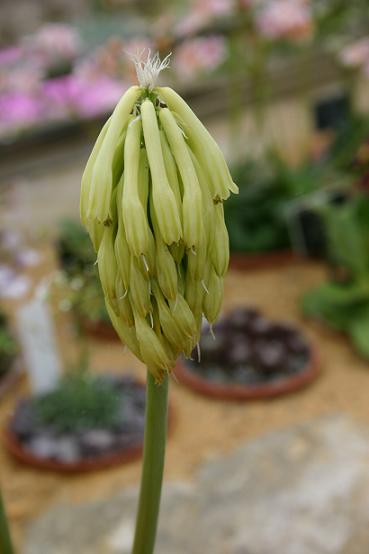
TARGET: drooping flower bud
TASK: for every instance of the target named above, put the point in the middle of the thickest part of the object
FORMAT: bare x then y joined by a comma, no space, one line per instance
151,200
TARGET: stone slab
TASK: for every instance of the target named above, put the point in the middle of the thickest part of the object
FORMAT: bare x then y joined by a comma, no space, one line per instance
302,490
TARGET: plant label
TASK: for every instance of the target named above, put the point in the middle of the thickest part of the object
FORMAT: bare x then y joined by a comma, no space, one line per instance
36,331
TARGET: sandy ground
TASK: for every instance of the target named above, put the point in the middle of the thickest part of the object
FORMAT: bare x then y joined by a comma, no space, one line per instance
202,427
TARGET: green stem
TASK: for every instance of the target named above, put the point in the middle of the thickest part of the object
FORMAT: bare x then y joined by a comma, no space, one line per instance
153,465
5,540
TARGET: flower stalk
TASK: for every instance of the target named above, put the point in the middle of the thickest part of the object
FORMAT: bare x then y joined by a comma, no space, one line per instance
153,465
6,546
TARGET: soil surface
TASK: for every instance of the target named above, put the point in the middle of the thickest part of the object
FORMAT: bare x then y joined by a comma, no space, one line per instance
202,428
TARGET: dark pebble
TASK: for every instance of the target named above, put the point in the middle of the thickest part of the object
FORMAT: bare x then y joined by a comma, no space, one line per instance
240,353
297,345
240,318
23,423
260,327
270,356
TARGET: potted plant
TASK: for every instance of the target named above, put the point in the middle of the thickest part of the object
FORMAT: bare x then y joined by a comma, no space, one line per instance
87,422
257,221
343,301
249,357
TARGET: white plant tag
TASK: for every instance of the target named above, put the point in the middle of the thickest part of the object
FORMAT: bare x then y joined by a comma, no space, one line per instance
36,331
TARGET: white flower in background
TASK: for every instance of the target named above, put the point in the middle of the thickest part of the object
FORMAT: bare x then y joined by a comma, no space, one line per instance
198,55
28,257
53,43
13,285
356,54
285,19
202,13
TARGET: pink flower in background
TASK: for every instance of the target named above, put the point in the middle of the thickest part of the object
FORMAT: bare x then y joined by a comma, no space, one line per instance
19,109
10,55
285,19
356,54
202,13
72,94
198,55
99,97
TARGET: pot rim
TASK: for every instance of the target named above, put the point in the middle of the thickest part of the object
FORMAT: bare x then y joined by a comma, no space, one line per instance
250,392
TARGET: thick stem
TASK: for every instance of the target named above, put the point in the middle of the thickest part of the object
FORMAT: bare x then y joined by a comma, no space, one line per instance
153,465
5,540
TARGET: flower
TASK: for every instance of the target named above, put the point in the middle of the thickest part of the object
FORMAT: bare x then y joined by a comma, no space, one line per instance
198,55
356,54
53,43
74,94
19,110
161,242
10,55
98,96
285,19
202,13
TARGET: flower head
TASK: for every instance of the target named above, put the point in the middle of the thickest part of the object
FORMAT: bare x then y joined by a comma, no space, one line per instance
285,19
200,54
356,54
151,199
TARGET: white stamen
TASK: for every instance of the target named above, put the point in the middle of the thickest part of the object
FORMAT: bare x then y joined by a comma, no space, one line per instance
134,120
211,331
198,352
145,263
148,67
151,320
204,286
123,295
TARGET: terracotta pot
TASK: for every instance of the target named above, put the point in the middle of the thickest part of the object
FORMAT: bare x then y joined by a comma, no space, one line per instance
11,377
266,260
16,448
20,453
223,391
99,329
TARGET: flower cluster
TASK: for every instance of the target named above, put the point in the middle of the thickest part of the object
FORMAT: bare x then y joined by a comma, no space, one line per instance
152,201
285,19
356,55
198,55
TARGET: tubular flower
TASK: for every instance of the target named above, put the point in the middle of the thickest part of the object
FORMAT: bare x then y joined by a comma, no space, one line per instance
151,200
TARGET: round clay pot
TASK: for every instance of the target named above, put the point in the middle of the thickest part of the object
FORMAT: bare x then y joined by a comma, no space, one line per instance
258,391
267,260
125,455
99,330
11,377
